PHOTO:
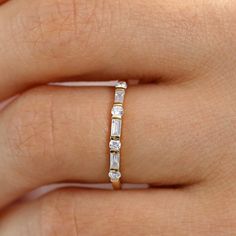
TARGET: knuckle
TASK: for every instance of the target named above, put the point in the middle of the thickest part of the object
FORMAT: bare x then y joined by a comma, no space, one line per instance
30,131
65,212
57,27
58,214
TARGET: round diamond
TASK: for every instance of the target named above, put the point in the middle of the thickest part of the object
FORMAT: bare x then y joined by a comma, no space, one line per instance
115,145
114,175
121,84
117,111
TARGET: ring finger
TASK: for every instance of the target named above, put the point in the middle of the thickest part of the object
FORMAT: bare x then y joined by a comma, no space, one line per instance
52,134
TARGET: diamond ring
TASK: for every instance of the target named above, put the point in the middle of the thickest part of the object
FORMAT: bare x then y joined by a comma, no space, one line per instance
115,143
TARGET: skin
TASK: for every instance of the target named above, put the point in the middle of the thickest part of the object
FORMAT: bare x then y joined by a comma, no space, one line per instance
179,129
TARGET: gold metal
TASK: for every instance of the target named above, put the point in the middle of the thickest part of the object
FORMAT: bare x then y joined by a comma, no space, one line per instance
118,104
116,185
114,117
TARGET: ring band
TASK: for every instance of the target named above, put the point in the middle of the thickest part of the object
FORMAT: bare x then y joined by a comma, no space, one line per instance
115,143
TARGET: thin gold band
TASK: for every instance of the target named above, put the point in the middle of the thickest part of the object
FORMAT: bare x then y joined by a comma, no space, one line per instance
116,185
115,143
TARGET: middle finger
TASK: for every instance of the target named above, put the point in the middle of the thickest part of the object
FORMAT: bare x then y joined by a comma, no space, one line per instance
168,39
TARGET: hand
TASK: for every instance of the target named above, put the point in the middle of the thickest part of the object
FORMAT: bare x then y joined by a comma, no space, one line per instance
179,130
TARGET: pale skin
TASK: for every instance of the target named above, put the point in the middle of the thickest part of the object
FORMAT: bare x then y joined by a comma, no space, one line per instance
179,130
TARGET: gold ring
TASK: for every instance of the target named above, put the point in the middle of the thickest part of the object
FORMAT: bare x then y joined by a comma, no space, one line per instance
115,143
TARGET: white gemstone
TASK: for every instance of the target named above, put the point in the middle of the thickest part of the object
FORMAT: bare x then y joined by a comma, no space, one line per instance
116,127
115,145
114,160
117,111
114,175
121,84
119,95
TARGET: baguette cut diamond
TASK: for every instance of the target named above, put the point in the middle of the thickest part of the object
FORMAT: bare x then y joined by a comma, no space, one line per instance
116,127
115,145
114,175
119,95
114,160
117,111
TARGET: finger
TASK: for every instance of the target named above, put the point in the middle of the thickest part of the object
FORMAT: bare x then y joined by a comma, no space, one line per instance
107,39
2,1
56,134
164,212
